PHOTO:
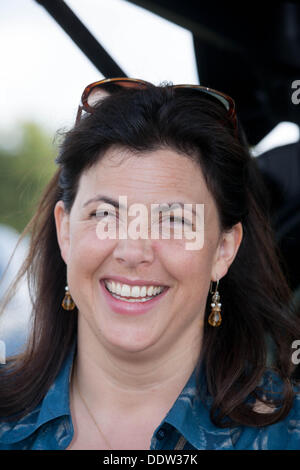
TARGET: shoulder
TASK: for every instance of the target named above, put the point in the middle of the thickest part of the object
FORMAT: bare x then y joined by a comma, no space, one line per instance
48,425
282,435
29,433
13,429
15,432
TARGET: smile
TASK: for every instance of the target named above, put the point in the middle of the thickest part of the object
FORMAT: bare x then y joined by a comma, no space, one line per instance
132,293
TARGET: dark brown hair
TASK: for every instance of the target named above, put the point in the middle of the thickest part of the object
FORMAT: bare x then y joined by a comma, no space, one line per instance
258,325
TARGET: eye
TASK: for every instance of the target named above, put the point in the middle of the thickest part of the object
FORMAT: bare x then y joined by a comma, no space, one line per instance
178,219
101,213
181,220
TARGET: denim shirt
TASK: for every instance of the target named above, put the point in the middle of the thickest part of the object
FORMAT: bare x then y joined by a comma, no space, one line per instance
186,426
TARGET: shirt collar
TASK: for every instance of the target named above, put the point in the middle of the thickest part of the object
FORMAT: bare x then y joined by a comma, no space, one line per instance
190,415
55,404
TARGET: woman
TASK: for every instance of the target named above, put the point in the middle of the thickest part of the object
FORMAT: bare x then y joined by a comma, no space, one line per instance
142,342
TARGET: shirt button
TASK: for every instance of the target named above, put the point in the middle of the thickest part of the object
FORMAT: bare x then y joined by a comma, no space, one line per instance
161,434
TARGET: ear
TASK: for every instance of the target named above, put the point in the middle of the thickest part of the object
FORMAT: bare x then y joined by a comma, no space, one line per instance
228,246
62,222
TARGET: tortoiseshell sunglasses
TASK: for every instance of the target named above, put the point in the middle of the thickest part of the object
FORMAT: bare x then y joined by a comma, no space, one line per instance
94,92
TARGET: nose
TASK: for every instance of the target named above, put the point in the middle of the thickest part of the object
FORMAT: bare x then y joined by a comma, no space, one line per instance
132,253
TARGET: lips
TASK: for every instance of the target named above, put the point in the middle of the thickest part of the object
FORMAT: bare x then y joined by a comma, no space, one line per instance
136,307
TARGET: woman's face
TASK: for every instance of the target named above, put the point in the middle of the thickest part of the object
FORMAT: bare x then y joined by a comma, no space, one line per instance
161,176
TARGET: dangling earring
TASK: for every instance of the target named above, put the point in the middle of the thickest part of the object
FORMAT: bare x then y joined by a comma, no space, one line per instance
215,318
68,302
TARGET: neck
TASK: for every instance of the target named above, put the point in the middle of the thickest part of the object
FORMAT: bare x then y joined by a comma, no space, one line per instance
131,380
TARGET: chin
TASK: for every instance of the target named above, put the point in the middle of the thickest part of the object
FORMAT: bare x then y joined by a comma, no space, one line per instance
128,341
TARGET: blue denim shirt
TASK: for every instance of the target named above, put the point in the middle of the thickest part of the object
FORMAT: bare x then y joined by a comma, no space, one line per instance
186,426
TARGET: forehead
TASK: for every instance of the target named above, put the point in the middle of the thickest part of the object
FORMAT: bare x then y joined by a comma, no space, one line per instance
148,174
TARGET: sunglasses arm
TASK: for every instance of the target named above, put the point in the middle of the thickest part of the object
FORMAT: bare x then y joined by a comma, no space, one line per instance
78,116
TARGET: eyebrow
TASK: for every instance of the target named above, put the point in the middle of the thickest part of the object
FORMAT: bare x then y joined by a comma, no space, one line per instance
106,199
115,203
170,204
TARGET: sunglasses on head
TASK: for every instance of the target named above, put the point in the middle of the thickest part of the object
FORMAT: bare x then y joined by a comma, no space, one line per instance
96,91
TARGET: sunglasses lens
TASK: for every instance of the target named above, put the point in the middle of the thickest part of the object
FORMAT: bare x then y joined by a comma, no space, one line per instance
104,89
211,93
96,95
219,98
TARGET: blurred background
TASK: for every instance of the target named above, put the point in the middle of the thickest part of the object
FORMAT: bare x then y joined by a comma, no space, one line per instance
51,49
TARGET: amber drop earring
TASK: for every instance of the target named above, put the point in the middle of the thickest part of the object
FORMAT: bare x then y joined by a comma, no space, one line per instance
68,302
215,318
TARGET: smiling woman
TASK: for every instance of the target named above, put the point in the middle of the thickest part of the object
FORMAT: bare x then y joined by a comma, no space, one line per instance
137,340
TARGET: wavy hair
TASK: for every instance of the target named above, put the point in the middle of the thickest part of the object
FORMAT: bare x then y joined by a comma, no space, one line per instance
259,323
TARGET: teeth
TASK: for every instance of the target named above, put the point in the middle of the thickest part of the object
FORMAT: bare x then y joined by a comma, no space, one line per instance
135,292
143,291
124,290
118,288
150,290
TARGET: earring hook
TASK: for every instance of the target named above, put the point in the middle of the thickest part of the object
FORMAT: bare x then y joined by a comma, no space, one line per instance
211,284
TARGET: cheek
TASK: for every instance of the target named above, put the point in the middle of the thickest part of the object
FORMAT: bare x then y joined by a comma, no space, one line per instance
186,266
87,252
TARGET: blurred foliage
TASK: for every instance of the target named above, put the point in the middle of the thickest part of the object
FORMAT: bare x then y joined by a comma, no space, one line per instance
26,166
